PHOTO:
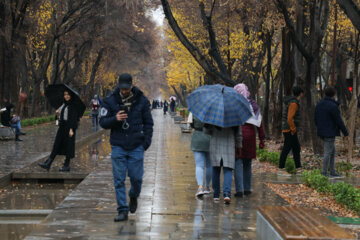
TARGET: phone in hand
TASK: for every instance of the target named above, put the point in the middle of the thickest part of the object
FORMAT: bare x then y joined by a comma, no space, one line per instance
124,108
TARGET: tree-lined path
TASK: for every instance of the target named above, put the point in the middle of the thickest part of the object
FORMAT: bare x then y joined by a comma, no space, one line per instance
167,205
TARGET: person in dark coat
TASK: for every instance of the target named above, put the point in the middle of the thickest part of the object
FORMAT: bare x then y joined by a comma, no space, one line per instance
127,113
172,105
328,122
166,106
244,155
65,137
11,120
290,126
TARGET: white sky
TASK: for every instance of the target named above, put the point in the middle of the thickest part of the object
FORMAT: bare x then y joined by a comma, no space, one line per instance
157,16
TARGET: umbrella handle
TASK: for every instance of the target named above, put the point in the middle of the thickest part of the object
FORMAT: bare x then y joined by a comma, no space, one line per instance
125,125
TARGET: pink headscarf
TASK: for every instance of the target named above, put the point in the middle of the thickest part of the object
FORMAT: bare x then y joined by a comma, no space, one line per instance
243,90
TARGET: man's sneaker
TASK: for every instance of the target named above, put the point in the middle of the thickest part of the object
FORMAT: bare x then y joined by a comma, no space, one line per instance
200,192
227,200
238,194
207,190
335,175
247,193
325,174
216,199
133,204
123,216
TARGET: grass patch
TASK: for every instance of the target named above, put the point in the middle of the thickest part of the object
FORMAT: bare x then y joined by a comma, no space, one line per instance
274,158
344,193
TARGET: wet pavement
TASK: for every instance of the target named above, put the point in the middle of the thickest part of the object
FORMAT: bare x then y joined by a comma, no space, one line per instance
36,145
167,207
26,202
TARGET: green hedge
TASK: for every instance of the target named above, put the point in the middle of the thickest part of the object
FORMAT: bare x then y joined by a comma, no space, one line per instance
344,193
36,121
274,158
39,120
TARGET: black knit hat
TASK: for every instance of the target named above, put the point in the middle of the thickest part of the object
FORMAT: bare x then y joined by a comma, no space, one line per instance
125,81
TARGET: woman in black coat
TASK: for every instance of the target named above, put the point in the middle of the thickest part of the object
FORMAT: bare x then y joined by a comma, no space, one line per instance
65,137
165,108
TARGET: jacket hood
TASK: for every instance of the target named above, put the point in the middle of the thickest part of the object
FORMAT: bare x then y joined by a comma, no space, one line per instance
288,99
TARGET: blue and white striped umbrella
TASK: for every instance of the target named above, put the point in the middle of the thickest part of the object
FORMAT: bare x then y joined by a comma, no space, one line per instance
219,105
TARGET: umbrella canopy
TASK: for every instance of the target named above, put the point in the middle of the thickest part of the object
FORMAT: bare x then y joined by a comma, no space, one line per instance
55,95
172,97
219,105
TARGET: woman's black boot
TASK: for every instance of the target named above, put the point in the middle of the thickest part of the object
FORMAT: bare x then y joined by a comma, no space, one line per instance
47,164
66,167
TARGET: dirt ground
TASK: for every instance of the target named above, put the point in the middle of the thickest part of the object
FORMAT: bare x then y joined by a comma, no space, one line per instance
301,195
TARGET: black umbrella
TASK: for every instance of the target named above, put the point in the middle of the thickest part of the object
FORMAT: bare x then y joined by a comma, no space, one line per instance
55,94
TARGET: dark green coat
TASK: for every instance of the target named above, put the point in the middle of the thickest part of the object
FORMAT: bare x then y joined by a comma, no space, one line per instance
200,141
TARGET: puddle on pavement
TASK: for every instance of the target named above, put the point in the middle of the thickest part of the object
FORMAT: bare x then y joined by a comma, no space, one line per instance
24,204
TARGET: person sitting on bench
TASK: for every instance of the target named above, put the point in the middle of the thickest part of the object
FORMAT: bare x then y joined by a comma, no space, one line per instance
9,120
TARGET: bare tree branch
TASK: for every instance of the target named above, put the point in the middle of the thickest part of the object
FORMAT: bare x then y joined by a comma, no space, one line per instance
352,11
290,25
193,50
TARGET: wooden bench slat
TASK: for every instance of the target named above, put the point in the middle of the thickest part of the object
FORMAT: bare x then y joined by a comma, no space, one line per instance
302,223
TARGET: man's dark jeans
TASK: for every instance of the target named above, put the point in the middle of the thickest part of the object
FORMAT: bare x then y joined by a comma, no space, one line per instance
291,143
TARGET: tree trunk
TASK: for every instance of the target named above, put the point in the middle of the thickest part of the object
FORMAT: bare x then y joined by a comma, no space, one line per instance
333,57
352,11
267,88
351,123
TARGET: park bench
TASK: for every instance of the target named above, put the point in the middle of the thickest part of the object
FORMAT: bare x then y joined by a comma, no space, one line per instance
6,133
289,222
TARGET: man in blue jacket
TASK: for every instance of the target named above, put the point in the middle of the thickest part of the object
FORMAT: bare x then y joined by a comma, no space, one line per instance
328,122
127,113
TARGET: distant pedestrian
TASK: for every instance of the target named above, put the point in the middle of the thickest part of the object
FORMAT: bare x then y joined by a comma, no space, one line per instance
95,106
64,143
328,122
200,143
245,154
172,105
222,154
127,113
290,126
165,106
11,120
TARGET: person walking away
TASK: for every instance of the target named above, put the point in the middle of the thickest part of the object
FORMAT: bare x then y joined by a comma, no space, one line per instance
166,106
11,120
64,143
244,155
328,122
126,112
290,125
200,143
172,105
95,106
222,155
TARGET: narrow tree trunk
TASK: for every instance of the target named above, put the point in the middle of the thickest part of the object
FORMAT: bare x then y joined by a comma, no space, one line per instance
333,59
353,104
267,88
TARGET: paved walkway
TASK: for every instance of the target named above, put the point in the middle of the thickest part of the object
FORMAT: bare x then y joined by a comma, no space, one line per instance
36,145
167,206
